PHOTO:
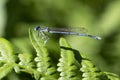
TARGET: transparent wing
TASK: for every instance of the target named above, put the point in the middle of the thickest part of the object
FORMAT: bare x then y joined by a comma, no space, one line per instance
78,29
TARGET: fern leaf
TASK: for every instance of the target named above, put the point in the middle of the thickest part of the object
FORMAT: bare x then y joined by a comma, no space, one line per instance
7,57
5,69
112,76
90,72
6,51
44,65
26,60
66,66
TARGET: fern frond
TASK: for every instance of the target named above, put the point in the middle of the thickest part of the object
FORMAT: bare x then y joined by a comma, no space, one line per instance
7,57
26,60
90,72
67,63
44,64
112,76
5,69
6,51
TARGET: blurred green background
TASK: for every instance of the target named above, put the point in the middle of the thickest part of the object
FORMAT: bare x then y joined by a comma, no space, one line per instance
99,17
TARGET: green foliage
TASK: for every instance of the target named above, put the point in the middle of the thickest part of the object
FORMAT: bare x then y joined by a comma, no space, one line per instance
100,17
7,57
43,61
72,64
20,61
68,67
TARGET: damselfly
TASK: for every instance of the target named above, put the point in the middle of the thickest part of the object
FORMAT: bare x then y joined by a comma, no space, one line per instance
66,31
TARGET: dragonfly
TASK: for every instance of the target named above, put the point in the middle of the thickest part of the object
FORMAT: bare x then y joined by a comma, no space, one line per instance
65,31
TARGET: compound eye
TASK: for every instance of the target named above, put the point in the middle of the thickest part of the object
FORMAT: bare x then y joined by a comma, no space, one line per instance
37,28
